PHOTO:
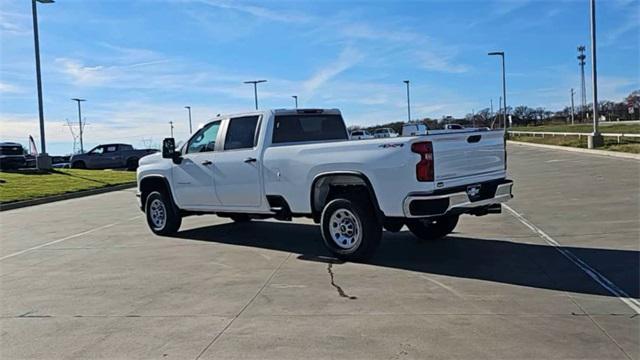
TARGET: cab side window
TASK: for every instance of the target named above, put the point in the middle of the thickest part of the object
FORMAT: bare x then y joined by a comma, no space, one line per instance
241,133
205,139
97,151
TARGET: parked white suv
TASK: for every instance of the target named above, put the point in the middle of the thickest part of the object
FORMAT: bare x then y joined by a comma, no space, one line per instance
299,163
384,133
360,135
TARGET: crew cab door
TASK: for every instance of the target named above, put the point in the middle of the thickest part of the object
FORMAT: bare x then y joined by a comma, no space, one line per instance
101,157
237,168
193,180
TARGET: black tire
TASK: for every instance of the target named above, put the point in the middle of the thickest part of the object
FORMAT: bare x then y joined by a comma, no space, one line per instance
369,226
78,165
433,229
240,218
132,164
162,203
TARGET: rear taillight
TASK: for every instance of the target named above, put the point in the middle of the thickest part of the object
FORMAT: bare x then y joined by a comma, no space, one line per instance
424,168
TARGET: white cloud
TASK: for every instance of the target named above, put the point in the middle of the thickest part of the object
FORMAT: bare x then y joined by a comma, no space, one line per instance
13,23
347,59
624,26
81,74
10,88
442,63
259,12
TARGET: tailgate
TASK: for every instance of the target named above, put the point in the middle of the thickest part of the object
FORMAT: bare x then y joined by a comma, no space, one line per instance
464,153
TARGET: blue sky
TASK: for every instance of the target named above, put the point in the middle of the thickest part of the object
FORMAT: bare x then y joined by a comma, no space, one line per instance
139,62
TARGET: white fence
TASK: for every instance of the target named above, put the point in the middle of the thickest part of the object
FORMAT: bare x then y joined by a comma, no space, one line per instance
579,135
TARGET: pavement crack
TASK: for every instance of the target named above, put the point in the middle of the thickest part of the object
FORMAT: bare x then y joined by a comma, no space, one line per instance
338,288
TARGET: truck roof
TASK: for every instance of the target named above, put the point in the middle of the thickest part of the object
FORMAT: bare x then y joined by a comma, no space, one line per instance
280,112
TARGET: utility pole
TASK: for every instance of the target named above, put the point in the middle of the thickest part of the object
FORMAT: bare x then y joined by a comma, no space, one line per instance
583,86
295,97
572,109
408,102
491,102
43,162
504,85
595,140
255,89
80,122
171,124
190,128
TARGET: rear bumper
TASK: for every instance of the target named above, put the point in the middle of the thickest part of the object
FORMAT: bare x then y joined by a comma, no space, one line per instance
458,201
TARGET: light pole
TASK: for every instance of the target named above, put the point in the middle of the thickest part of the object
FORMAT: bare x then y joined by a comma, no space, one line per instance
295,97
255,89
408,102
595,140
572,108
44,161
171,124
504,85
80,122
189,108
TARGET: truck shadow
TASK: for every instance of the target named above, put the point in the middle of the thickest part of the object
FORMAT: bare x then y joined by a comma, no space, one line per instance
504,261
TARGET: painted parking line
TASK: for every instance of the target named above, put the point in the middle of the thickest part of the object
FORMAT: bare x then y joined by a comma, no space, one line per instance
66,238
586,268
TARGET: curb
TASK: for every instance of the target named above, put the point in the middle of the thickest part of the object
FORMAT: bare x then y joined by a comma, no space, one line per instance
67,196
615,154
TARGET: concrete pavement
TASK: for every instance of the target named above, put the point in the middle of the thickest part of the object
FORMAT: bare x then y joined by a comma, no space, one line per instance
85,278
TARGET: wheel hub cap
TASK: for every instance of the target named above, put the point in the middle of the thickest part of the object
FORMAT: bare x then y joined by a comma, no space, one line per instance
345,229
158,213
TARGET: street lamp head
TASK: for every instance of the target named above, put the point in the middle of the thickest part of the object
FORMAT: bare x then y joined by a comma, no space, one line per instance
45,1
255,81
76,99
405,81
501,53
187,107
294,96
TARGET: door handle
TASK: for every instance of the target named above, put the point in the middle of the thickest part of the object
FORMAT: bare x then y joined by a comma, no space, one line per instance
207,163
250,160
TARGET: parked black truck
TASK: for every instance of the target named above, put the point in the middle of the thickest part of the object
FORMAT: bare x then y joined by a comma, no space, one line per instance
110,156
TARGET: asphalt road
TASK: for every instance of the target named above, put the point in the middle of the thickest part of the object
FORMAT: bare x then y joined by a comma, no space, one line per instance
555,277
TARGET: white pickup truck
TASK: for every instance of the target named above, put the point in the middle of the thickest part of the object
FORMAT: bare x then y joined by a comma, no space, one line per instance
299,163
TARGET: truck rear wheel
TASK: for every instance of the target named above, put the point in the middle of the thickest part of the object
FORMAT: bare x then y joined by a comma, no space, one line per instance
78,165
433,229
162,216
132,164
350,229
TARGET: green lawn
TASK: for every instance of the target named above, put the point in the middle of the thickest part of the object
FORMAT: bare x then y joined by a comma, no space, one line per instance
630,146
583,128
15,186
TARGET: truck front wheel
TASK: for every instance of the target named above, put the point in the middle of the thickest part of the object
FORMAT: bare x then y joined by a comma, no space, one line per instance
162,216
433,229
350,229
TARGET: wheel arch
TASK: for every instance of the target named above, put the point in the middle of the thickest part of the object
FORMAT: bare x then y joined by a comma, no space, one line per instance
323,183
151,183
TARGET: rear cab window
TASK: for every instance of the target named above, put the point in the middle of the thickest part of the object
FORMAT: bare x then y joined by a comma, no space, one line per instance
242,133
298,128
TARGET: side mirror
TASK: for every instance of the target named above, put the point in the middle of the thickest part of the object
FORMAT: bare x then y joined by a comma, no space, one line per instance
168,148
